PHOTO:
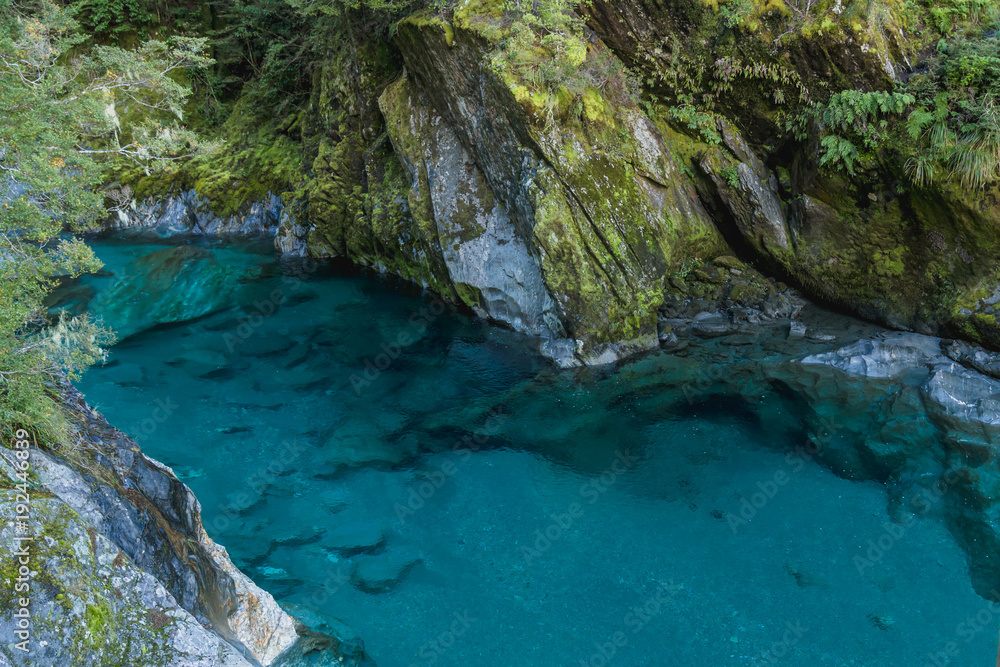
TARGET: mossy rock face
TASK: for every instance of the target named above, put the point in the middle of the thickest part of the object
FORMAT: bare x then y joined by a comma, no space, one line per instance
920,259
255,158
596,195
90,604
567,216
359,203
470,241
913,259
821,51
747,192
565,208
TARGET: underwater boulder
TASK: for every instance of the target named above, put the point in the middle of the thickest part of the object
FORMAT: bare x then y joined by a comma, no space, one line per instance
164,287
355,536
382,573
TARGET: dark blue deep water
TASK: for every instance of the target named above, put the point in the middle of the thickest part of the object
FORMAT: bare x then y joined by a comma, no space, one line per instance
425,479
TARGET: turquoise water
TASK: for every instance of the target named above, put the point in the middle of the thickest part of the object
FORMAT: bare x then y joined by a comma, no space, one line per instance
370,455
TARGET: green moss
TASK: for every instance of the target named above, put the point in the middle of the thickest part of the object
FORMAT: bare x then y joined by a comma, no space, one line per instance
408,242
592,267
469,295
479,16
98,619
594,107
242,170
747,293
889,263
429,19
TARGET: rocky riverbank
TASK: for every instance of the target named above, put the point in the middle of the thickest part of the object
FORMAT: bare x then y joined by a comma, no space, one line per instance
121,570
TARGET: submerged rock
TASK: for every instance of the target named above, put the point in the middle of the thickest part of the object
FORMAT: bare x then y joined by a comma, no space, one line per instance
164,287
889,356
127,375
355,445
200,362
382,573
712,326
263,344
966,399
927,420
355,536
350,643
71,299
125,573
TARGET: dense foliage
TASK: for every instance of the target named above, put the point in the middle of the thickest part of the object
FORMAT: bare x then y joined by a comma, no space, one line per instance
98,91
941,123
70,111
956,122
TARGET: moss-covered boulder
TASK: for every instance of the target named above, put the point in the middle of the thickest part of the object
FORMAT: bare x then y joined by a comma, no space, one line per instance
913,258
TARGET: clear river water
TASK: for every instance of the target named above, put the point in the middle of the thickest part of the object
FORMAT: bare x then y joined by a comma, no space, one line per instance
389,467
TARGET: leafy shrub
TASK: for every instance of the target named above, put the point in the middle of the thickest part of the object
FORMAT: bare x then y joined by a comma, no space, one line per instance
66,120
955,125
113,17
